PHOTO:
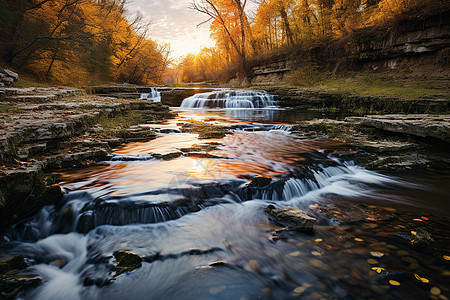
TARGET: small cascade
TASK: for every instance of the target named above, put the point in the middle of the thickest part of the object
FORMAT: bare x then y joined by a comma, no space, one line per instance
230,99
153,95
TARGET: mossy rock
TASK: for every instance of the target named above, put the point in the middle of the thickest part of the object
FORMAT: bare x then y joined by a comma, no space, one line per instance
16,263
260,181
292,218
126,261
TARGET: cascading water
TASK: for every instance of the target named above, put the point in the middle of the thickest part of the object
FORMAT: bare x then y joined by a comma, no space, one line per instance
230,99
154,95
197,222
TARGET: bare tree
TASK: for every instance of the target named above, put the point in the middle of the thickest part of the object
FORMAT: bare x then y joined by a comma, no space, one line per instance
214,11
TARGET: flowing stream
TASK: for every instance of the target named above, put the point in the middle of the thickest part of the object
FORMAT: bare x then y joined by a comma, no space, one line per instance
187,207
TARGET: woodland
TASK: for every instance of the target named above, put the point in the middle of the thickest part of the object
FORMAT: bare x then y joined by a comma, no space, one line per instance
78,42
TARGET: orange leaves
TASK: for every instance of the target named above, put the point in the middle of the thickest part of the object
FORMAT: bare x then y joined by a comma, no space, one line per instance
421,279
378,269
394,282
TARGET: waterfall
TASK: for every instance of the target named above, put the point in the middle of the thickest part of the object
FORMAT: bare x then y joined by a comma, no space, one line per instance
153,95
230,99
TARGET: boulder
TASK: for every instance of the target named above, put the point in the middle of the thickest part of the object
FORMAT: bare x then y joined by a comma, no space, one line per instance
10,74
260,181
8,77
292,218
421,238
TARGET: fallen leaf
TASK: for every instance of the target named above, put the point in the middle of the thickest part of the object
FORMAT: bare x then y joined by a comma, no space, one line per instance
316,253
318,240
376,254
424,218
418,220
359,240
393,282
299,290
446,257
435,291
422,279
414,232
378,269
294,254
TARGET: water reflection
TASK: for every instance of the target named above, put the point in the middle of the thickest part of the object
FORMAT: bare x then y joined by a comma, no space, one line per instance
200,227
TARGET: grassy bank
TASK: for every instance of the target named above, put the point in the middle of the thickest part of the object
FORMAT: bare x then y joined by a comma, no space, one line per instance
370,84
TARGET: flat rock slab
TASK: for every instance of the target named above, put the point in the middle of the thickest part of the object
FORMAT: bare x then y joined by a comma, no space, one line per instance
418,125
292,218
384,146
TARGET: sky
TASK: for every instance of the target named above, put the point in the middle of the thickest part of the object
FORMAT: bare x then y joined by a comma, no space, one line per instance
173,22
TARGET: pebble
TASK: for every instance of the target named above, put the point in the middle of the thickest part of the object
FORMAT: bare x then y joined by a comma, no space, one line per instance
435,291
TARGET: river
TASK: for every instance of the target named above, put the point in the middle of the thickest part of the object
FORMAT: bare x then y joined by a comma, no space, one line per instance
200,227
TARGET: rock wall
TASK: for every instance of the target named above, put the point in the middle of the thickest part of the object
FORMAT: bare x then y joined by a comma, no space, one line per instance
419,47
411,48
305,99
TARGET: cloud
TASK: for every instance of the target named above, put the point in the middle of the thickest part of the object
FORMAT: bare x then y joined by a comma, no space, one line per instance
173,22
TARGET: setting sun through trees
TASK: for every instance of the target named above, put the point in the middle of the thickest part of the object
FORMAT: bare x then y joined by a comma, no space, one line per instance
79,42
243,34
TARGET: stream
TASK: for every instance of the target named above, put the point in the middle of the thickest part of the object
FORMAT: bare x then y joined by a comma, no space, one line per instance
188,208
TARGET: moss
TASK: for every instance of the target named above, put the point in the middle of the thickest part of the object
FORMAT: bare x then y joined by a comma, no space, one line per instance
9,108
16,263
126,261
367,84
260,181
204,130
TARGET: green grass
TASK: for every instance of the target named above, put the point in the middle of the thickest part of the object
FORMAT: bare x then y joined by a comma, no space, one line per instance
26,82
8,108
366,84
121,121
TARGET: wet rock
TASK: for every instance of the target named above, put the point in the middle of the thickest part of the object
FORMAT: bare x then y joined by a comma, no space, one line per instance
292,218
78,159
211,135
15,263
138,133
14,283
419,125
171,155
360,213
204,130
13,278
421,238
24,191
126,261
260,181
86,222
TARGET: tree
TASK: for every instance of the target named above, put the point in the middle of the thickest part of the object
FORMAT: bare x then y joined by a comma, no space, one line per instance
221,12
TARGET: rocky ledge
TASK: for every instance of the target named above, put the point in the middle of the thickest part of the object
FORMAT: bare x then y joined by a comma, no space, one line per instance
62,128
387,141
435,126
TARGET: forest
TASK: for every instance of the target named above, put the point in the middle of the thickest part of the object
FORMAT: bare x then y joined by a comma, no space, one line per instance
85,42
78,42
309,30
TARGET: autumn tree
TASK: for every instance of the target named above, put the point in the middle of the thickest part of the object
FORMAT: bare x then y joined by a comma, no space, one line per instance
79,41
229,15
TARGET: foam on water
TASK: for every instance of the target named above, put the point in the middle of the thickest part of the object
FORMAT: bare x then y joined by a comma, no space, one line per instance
154,95
230,99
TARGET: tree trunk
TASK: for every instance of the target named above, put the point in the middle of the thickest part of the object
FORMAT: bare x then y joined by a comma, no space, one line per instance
287,28
11,50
